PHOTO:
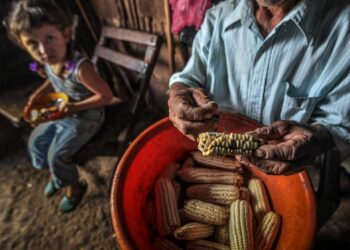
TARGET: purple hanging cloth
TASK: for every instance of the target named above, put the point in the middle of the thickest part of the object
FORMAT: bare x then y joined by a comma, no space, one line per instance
188,13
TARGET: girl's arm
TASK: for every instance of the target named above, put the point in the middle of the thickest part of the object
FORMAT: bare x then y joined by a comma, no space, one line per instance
40,91
103,95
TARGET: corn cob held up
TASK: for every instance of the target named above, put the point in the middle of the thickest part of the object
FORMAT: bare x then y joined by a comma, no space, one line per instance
212,143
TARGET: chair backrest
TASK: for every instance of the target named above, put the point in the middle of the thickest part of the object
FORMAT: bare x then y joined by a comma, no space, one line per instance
143,67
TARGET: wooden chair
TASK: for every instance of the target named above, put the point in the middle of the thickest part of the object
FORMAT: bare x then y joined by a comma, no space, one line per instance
113,59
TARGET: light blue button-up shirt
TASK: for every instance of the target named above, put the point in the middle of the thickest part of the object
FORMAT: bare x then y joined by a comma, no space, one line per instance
300,71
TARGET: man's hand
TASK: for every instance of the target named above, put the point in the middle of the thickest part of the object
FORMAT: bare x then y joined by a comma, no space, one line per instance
290,146
191,110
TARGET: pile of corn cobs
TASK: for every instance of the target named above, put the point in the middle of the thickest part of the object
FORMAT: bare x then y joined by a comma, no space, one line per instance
203,203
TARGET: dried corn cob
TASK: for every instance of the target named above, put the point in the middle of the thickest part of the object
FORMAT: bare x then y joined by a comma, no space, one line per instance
222,234
170,170
267,231
214,193
167,214
259,198
188,163
204,140
205,245
227,144
205,175
194,231
177,190
241,226
244,194
165,244
219,162
184,220
206,212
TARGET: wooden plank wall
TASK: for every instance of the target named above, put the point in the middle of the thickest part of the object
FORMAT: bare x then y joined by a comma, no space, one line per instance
143,15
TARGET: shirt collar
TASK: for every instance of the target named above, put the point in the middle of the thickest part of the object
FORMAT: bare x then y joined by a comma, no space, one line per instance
243,12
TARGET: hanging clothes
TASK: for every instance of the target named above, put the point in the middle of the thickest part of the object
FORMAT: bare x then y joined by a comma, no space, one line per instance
188,13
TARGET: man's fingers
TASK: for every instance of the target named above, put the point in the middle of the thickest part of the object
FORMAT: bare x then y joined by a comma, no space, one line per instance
185,109
275,131
191,128
290,150
202,100
272,167
191,113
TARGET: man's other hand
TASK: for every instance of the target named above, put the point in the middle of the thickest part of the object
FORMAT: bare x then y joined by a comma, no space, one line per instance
290,146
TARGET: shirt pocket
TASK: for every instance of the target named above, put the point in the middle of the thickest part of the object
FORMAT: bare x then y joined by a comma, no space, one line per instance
298,106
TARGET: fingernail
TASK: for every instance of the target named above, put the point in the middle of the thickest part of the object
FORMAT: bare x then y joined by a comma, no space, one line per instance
239,157
260,153
208,116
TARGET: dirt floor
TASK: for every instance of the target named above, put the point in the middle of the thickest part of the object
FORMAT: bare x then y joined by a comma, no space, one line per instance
31,221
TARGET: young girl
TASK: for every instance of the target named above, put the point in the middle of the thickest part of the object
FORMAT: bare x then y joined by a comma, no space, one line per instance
45,32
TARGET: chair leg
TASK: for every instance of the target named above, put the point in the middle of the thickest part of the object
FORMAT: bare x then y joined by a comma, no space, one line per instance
124,140
328,193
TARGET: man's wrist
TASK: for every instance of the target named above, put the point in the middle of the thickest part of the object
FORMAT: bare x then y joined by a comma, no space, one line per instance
176,87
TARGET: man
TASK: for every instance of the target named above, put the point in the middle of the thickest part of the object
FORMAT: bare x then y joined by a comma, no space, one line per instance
284,63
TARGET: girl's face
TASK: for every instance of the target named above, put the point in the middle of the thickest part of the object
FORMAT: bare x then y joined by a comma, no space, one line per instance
46,44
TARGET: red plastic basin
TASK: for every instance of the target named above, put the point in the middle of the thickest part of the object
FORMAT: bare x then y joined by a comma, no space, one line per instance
291,196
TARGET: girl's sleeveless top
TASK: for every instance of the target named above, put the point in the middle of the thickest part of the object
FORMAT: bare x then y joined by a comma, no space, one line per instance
75,90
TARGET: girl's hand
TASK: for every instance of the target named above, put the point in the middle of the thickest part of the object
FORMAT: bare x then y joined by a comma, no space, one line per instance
32,99
70,109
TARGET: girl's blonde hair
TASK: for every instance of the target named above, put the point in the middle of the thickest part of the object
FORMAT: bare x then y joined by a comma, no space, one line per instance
27,14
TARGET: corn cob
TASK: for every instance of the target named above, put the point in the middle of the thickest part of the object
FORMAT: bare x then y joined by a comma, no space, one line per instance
184,220
194,231
177,190
169,171
205,245
204,140
241,226
244,194
222,234
214,193
219,162
205,175
259,198
167,214
227,144
188,163
206,212
165,244
267,231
